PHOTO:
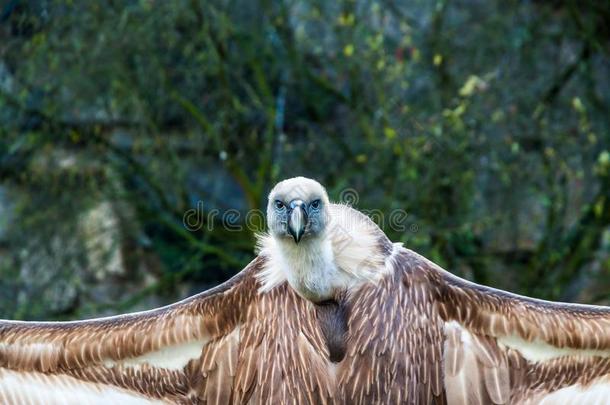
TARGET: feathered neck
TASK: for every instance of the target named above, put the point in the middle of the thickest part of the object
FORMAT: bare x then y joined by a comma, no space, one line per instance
352,251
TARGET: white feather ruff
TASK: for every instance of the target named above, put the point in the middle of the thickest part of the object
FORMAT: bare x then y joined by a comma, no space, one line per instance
351,243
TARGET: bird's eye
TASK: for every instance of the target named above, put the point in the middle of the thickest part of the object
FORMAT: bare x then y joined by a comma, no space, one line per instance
279,205
315,204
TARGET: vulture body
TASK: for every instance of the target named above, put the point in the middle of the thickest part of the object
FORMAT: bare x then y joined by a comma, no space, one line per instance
396,329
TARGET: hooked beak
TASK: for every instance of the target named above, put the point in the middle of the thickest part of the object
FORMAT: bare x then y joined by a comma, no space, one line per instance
297,219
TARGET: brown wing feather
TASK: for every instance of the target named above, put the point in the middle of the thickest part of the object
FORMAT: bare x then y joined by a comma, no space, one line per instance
418,336
503,348
498,313
260,347
48,346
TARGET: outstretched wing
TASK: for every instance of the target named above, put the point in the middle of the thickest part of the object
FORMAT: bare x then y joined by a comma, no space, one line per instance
502,348
215,347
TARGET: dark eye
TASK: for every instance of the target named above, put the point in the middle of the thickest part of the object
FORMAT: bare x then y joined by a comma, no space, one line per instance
279,205
315,204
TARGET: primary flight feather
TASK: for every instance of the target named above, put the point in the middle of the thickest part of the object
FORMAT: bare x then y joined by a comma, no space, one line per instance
330,311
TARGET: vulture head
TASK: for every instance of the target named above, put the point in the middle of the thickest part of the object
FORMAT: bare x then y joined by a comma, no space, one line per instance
298,210
321,249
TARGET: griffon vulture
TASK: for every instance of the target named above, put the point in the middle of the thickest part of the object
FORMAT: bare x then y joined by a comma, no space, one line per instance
329,312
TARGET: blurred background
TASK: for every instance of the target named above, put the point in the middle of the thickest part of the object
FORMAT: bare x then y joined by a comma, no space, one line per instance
486,121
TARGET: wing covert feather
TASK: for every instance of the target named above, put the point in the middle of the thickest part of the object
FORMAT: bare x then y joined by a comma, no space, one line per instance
49,346
503,348
228,344
417,335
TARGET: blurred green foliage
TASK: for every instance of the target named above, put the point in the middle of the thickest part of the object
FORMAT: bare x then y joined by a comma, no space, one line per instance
486,121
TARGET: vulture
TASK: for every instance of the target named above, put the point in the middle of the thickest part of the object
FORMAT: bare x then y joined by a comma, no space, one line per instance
329,312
